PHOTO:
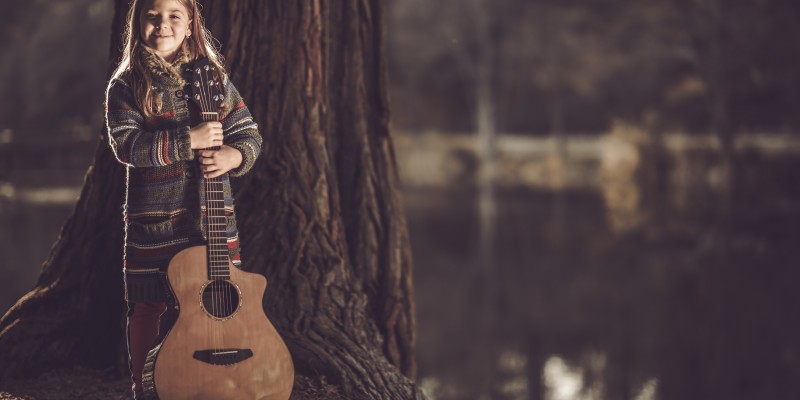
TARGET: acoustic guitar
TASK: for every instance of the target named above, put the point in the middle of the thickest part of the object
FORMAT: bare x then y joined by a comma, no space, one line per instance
222,346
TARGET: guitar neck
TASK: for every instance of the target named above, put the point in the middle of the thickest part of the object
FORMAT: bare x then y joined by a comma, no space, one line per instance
215,221
208,96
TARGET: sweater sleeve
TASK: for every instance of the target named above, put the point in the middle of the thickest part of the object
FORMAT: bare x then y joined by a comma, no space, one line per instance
131,143
240,130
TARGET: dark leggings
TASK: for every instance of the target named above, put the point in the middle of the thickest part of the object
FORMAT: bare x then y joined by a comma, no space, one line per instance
143,325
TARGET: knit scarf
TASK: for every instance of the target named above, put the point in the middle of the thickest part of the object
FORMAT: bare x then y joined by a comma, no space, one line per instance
161,68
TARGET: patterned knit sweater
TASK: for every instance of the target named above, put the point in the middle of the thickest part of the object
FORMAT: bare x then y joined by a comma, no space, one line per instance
164,199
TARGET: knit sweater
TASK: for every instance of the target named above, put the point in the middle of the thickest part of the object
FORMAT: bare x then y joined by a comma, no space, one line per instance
164,202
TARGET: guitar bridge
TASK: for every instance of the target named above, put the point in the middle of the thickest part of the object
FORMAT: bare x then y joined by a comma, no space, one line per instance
223,356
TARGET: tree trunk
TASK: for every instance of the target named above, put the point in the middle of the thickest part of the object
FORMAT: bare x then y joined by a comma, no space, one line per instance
320,215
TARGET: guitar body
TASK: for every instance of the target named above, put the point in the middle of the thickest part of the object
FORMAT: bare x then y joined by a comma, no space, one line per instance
235,353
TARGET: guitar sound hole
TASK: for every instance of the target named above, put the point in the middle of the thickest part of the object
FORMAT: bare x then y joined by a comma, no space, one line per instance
220,298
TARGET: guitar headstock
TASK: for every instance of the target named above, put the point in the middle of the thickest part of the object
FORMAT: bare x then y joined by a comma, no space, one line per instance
207,91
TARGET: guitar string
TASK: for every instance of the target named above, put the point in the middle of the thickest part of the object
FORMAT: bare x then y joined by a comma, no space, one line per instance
212,285
221,251
228,287
218,257
229,306
199,97
203,107
214,195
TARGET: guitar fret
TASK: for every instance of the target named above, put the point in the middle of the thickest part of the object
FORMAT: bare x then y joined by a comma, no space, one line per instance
213,207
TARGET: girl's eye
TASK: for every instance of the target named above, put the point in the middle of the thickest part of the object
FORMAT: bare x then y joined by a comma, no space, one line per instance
176,17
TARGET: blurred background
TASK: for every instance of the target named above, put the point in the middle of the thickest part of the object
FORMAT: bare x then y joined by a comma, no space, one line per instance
603,196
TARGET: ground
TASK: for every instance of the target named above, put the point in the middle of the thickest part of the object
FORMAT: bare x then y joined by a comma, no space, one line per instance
90,384
77,383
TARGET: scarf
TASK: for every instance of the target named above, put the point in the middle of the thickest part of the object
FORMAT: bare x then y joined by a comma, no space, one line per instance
162,70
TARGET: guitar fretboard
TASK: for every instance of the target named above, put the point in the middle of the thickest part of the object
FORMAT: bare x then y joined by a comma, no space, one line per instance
216,227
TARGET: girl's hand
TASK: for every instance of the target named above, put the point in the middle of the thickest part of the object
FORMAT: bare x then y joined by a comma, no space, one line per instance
215,163
206,134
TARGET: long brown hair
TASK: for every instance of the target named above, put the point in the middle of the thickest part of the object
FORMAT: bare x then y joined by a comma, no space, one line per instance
199,44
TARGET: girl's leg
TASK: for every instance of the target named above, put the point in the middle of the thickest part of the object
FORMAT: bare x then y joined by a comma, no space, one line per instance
143,325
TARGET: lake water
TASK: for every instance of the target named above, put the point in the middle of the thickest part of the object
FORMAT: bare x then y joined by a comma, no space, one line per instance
605,275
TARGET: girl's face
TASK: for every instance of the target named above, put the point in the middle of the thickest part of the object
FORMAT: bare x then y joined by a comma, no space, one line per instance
164,24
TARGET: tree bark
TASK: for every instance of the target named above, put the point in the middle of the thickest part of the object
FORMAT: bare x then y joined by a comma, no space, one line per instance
320,215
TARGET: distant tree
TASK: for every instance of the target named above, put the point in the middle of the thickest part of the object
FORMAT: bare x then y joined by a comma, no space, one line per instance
320,215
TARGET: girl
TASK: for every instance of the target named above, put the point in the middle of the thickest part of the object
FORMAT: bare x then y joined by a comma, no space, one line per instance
153,130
